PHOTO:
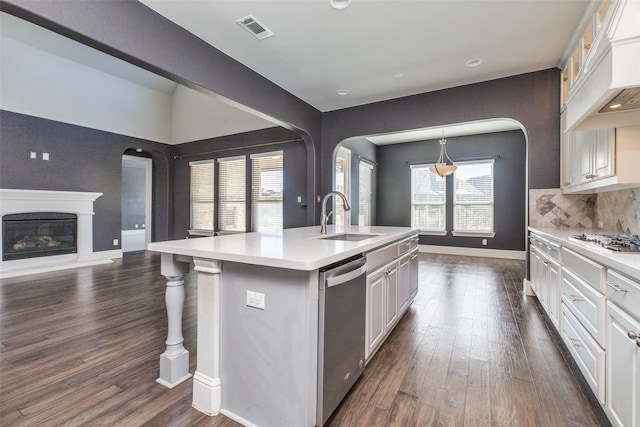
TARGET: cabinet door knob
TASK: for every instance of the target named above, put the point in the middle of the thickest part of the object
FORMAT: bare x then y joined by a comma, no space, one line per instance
632,335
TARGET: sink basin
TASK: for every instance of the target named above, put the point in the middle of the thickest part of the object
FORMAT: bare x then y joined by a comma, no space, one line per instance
349,237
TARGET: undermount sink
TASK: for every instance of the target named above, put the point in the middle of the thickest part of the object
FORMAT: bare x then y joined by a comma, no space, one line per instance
349,237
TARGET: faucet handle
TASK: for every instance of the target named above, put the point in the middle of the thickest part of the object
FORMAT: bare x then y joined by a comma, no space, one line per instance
329,215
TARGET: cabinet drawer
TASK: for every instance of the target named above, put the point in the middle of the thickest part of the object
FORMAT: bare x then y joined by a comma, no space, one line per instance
592,273
624,292
586,352
587,304
381,256
407,245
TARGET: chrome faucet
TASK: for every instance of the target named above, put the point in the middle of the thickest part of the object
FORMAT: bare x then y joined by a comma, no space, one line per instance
323,216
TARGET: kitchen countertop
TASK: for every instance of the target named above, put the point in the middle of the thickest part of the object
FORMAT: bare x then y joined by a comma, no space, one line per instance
628,264
293,248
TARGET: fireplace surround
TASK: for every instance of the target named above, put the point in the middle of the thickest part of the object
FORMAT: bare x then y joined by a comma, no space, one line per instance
21,204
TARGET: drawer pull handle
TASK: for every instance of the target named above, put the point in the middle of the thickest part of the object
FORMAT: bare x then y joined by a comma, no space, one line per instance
632,335
414,257
617,288
575,342
638,342
575,298
545,262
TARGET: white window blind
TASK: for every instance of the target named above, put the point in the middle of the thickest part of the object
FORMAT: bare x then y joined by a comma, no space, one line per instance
365,191
428,200
473,197
232,194
202,195
342,184
266,191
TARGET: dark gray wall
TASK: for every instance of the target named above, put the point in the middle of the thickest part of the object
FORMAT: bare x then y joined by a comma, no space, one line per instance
295,170
532,99
394,185
81,159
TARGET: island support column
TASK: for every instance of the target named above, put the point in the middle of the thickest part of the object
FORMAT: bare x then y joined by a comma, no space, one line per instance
207,390
174,362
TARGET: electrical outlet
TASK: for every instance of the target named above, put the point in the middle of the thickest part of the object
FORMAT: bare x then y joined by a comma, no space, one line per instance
299,199
115,242
484,242
255,299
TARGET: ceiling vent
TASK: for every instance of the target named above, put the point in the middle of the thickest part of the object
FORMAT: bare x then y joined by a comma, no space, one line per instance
255,27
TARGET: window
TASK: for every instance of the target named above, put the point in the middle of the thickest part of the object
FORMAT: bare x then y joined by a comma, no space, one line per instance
473,198
365,191
232,194
342,184
202,194
266,193
428,200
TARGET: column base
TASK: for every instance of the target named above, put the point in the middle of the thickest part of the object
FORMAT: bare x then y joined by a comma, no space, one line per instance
206,394
174,369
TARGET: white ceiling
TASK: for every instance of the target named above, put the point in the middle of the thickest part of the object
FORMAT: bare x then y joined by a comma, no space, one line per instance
382,49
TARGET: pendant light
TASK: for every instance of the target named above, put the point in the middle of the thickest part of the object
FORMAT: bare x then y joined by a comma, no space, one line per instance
441,168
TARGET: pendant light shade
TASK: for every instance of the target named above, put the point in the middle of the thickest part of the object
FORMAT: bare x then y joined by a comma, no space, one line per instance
441,168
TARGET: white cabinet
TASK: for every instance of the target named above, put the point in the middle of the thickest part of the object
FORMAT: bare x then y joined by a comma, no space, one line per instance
392,283
545,275
623,368
599,160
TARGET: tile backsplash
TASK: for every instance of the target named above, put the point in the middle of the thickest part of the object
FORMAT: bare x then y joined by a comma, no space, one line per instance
615,211
619,211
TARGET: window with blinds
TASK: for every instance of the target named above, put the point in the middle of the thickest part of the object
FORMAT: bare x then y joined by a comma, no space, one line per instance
267,191
428,200
232,194
473,197
343,185
365,191
202,195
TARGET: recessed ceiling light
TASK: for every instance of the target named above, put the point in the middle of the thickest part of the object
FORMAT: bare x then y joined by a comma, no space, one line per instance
398,76
339,4
342,92
614,106
473,62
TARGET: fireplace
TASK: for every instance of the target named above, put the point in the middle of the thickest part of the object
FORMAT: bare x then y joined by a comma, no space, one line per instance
38,234
45,231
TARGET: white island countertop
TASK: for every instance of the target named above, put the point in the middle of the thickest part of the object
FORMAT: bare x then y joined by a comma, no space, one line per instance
625,263
293,248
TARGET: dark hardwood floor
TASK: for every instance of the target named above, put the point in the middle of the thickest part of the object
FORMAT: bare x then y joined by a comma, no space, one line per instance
81,347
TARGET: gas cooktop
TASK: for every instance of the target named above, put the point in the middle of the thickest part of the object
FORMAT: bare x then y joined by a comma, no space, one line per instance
614,243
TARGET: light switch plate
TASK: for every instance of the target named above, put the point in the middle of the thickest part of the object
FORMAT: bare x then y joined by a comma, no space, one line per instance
45,156
33,155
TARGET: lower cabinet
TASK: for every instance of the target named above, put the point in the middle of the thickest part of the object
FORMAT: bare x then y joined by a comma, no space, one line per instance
623,368
392,283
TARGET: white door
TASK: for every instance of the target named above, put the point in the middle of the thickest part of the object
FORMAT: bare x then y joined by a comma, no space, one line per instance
136,203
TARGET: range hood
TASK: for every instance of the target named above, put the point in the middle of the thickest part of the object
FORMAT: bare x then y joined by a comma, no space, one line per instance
610,75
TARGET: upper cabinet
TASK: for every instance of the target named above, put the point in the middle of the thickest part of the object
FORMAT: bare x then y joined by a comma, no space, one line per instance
602,69
599,160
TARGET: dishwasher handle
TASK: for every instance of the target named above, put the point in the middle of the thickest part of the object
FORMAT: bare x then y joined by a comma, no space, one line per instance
342,278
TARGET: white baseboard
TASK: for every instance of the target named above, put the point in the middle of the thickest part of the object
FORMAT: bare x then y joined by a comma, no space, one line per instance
486,253
27,266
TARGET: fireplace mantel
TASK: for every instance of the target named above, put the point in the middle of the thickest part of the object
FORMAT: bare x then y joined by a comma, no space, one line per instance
80,203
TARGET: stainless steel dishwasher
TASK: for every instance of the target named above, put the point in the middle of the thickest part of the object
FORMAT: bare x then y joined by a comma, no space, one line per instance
341,342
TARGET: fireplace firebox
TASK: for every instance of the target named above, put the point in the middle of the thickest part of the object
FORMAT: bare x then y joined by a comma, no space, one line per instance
38,234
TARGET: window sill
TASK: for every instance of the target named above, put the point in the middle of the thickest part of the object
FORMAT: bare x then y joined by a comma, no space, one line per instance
471,234
432,233
203,233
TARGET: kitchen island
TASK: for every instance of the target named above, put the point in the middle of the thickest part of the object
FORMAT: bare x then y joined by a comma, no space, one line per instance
257,300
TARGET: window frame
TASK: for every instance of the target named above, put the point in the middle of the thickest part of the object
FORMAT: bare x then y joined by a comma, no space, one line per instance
194,231
254,160
222,203
455,203
442,204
